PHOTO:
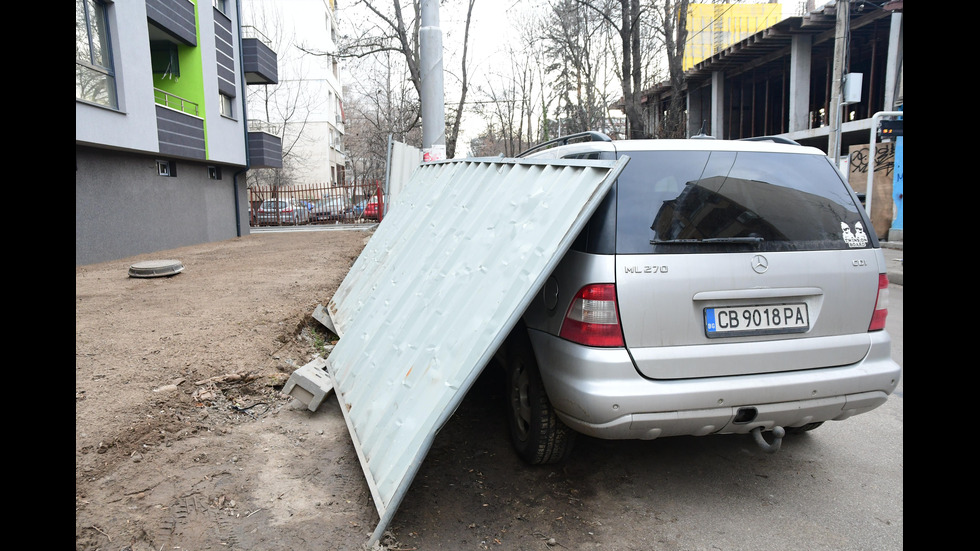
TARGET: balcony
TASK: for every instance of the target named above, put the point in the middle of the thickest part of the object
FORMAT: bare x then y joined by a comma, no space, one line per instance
180,128
261,62
264,145
176,19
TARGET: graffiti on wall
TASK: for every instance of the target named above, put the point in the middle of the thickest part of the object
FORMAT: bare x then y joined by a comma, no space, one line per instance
882,205
884,159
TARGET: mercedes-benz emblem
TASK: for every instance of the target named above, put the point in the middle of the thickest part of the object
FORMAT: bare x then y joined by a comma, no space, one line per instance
760,264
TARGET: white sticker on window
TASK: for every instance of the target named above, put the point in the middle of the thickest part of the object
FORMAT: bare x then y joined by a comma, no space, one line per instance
856,239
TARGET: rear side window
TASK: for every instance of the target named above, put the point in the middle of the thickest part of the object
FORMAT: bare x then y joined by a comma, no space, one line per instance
702,202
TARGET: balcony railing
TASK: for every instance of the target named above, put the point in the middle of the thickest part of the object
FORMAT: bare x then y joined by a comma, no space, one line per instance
178,103
249,31
256,125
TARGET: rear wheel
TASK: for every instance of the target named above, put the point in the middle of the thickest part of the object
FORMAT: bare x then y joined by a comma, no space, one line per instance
805,428
538,435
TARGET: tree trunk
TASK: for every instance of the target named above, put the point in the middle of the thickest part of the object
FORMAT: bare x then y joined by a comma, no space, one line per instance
675,39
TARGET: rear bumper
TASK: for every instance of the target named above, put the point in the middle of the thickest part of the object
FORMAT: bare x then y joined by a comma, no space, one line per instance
598,392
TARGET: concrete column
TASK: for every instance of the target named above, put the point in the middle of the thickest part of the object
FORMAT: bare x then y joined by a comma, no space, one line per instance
718,105
799,82
694,115
893,65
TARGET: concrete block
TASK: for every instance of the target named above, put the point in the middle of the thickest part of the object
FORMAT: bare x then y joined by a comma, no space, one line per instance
321,315
310,384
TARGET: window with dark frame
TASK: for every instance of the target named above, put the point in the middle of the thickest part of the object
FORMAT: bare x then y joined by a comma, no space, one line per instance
166,168
95,80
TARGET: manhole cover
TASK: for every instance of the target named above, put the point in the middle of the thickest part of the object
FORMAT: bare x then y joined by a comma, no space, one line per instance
156,268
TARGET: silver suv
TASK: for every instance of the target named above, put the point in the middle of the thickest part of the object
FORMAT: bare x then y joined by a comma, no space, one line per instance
721,287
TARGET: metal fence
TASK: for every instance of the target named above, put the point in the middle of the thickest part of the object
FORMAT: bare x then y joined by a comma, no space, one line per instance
357,203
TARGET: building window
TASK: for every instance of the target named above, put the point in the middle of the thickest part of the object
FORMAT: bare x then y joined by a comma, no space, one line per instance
164,59
226,106
95,80
214,172
221,5
166,168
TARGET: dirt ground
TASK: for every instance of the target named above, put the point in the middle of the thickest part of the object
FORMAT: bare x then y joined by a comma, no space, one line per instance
184,441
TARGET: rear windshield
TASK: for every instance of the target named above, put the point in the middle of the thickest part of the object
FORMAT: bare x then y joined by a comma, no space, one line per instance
698,201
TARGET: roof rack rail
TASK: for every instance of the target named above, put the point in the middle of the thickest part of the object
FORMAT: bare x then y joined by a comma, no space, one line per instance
591,135
774,139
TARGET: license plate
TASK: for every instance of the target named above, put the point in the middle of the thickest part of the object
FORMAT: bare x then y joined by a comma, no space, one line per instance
772,319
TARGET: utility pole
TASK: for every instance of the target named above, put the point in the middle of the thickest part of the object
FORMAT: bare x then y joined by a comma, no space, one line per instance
433,94
841,34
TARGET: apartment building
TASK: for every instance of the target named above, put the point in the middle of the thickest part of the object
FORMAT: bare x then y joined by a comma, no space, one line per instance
305,107
161,135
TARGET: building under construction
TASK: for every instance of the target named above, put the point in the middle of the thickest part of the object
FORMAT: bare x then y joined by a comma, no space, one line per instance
788,79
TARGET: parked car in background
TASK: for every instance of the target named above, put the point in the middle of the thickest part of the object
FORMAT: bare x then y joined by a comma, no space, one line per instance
371,210
358,209
721,287
331,208
274,212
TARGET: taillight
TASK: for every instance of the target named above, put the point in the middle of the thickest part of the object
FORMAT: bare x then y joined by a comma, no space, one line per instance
593,317
881,305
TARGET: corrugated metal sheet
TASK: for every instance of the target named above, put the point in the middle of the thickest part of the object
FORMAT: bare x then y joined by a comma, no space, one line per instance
403,159
438,287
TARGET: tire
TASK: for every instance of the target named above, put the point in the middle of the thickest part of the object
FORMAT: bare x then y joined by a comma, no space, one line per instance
800,430
538,435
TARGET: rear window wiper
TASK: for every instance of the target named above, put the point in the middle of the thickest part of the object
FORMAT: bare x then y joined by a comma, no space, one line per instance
708,241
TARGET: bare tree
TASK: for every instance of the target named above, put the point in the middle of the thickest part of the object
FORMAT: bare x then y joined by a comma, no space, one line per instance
633,21
575,43
512,101
674,32
379,104
504,113
383,28
452,133
385,31
627,18
365,144
488,143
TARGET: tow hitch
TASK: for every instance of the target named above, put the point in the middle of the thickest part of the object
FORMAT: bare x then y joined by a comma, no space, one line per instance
778,434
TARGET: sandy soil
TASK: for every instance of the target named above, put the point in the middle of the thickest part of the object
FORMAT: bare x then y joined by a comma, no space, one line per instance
182,438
